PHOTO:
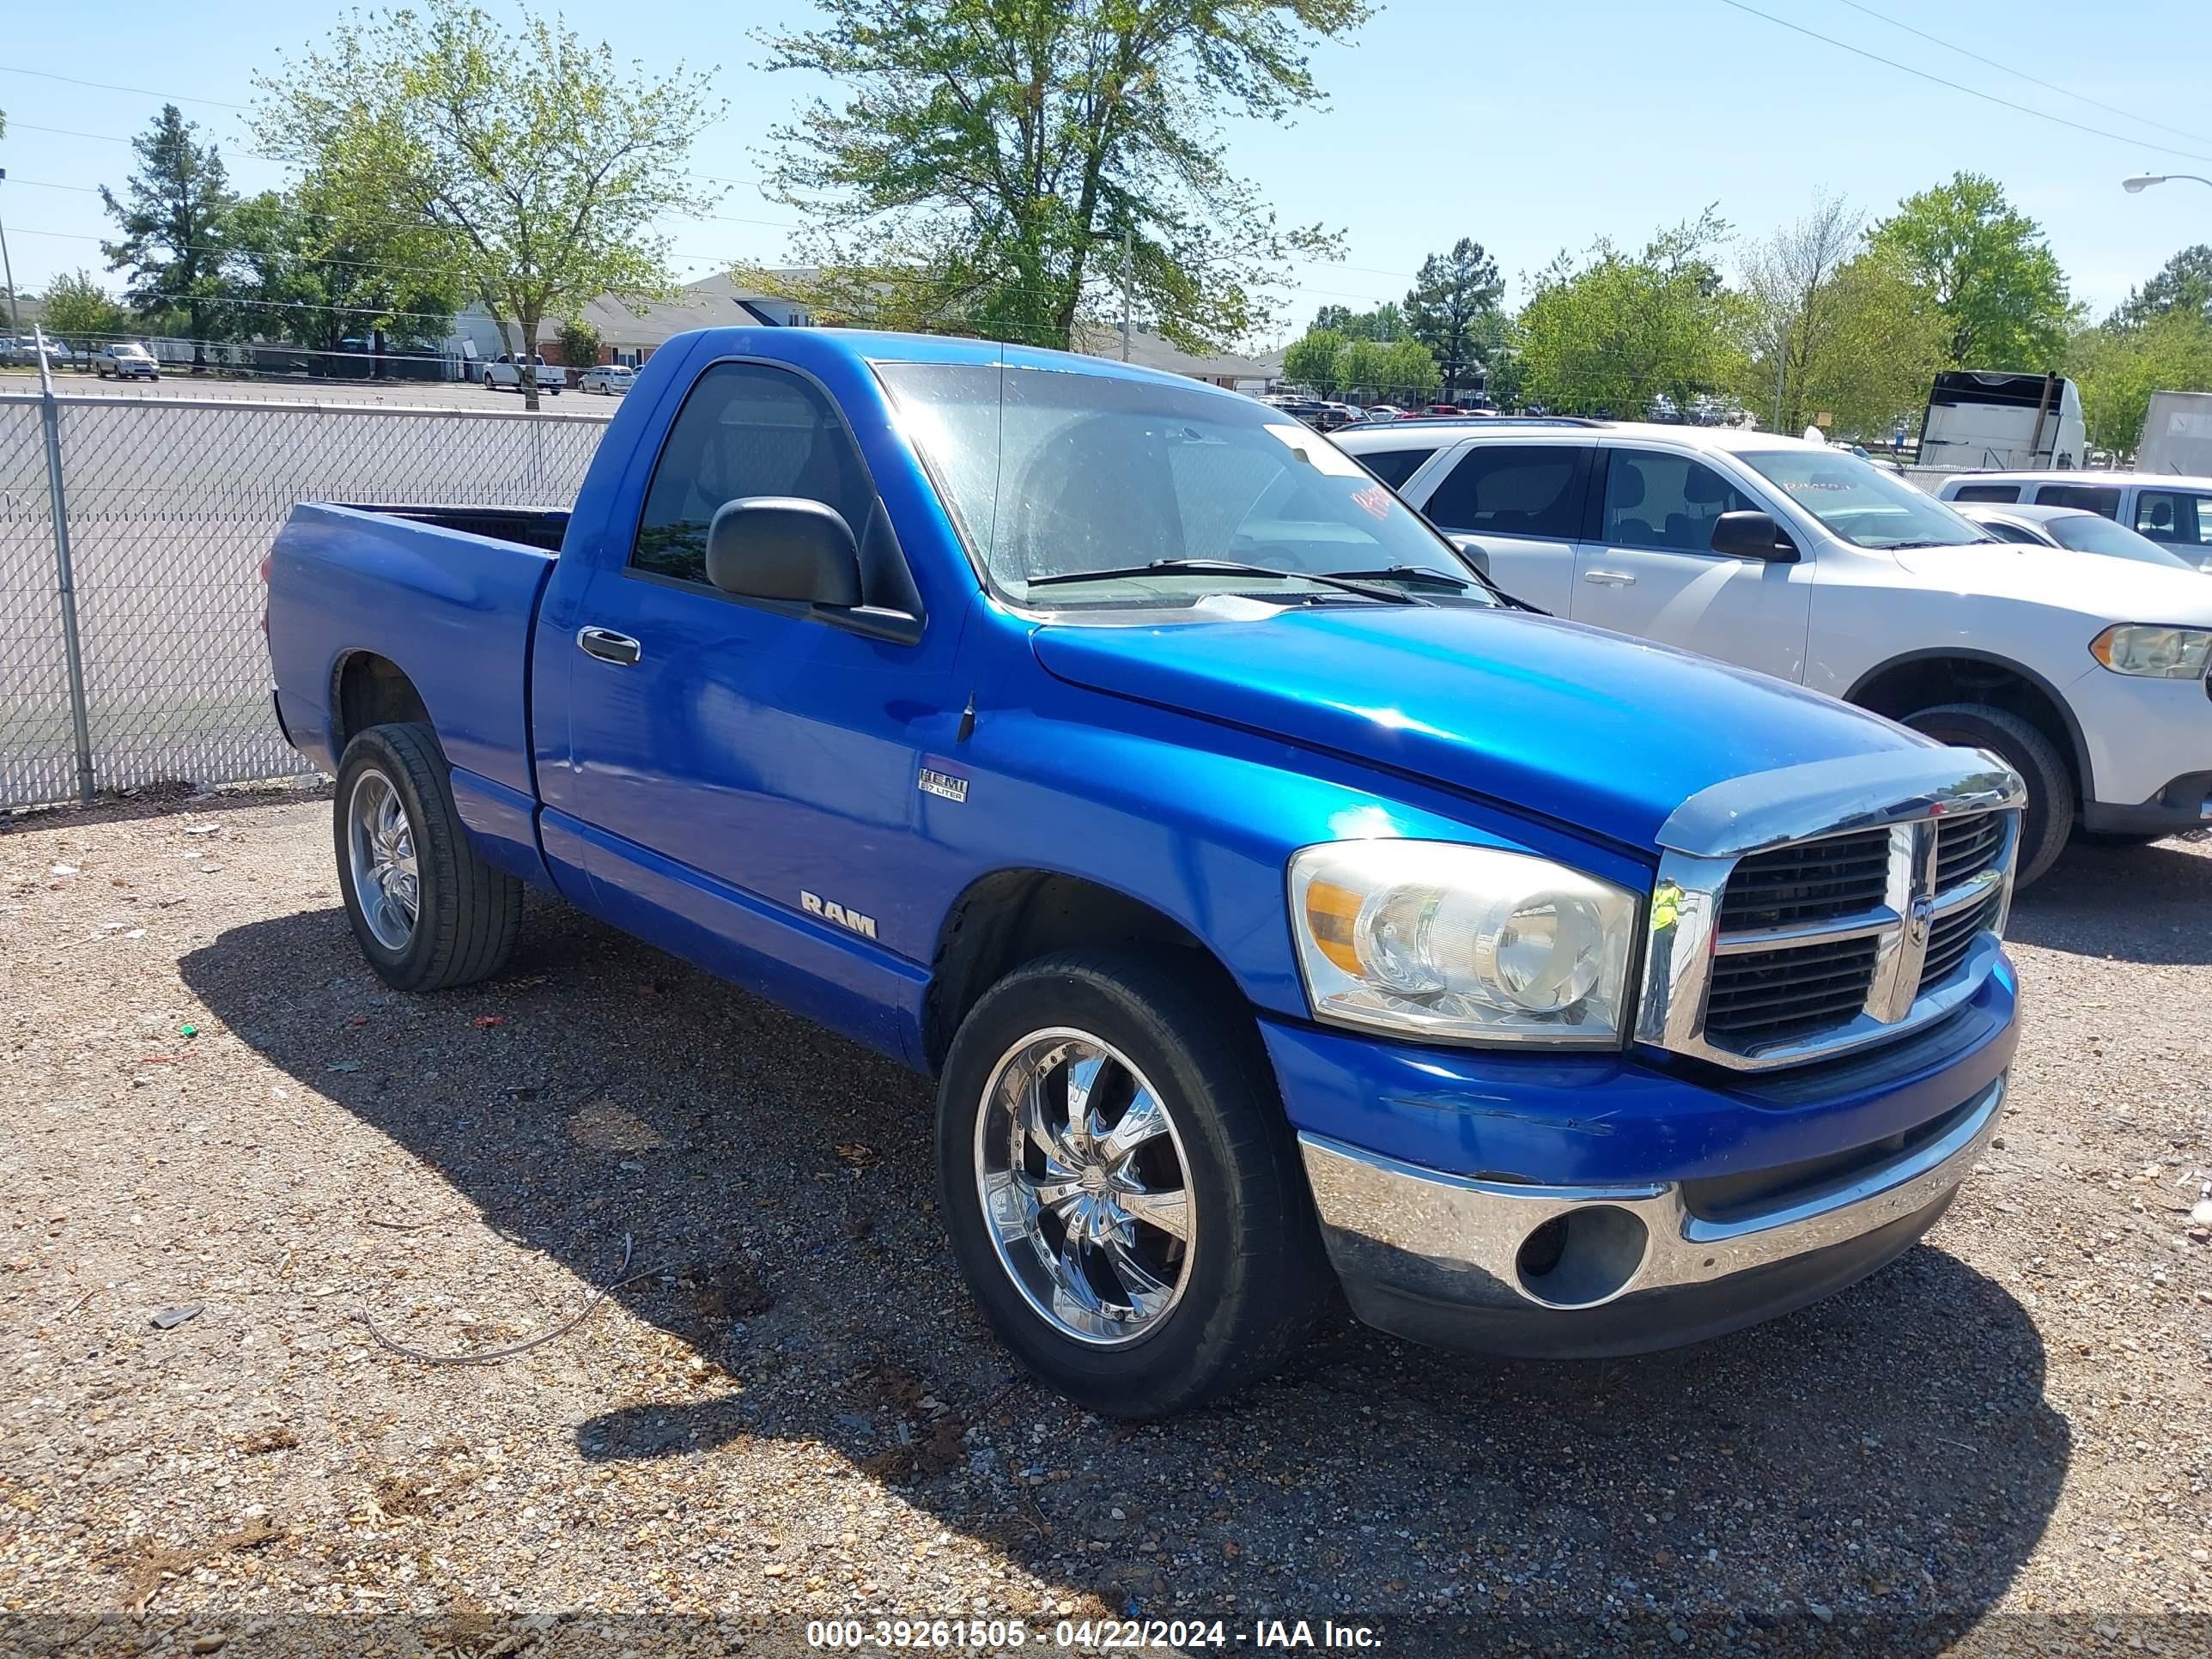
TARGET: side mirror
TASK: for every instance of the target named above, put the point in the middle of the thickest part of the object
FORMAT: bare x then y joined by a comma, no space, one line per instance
782,547
1752,536
1473,552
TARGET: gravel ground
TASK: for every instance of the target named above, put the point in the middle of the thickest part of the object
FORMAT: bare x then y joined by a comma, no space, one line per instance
790,1411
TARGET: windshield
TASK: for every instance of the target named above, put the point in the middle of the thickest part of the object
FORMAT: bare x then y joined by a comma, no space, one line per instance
1052,475
1859,502
2090,532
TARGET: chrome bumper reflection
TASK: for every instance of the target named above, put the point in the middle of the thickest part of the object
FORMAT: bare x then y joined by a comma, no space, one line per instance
1456,1239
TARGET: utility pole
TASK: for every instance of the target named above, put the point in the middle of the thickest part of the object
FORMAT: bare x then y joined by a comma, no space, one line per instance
7,275
1128,290
1781,358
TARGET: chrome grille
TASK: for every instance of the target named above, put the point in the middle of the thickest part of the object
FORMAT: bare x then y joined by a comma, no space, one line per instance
1807,881
1762,996
1966,847
1768,952
1951,937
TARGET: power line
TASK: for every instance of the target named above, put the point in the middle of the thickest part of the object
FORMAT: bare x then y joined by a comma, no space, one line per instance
103,86
1959,86
2048,86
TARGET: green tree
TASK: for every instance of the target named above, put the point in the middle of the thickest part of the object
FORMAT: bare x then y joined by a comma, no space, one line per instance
580,344
1988,267
2117,368
174,217
1010,167
1386,321
1310,360
2183,284
1453,310
1882,341
78,309
546,162
1611,333
308,271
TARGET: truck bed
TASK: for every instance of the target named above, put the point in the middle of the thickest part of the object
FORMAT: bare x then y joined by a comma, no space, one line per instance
446,594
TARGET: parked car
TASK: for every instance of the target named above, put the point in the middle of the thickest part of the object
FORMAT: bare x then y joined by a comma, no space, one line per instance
1805,563
126,360
23,352
612,379
505,370
2175,510
2077,530
1266,894
1382,412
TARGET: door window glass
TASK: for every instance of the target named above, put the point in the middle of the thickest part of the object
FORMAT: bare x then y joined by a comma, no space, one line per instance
2173,515
1513,489
746,429
1984,493
1665,501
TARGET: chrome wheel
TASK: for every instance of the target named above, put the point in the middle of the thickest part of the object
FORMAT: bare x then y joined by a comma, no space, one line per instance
1084,1186
380,843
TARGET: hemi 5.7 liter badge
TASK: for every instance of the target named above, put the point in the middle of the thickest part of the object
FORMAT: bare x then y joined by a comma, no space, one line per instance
934,783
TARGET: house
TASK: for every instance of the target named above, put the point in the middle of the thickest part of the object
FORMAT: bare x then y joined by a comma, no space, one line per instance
1239,374
630,334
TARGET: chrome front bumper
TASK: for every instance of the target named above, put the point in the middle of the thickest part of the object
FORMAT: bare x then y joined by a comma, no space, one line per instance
1446,1258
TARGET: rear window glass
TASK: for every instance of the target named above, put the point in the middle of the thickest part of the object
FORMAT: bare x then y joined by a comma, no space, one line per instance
1513,490
1986,493
1394,466
2092,498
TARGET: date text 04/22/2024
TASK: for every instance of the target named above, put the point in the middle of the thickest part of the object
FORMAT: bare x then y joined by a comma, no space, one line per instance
1087,1635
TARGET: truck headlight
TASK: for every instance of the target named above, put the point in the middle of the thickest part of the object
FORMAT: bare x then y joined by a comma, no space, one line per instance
2164,654
1448,943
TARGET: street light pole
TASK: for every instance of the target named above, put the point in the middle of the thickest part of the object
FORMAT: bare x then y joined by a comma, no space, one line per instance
2144,181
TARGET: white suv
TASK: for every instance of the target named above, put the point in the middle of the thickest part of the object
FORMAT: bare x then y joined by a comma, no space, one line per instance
2177,511
1803,562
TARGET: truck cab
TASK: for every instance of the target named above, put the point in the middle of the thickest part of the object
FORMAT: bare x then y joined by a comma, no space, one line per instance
1278,905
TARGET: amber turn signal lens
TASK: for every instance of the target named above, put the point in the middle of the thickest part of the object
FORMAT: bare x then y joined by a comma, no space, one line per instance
1331,913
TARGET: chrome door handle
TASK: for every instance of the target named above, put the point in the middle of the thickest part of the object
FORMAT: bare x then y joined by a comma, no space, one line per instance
1609,578
609,646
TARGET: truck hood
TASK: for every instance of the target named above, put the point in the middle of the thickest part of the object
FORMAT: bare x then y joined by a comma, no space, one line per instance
2093,585
1601,732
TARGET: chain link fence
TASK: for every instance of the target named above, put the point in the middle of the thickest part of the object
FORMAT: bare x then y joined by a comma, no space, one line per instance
171,504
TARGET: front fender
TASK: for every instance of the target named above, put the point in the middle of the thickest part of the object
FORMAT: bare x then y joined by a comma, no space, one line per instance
1191,818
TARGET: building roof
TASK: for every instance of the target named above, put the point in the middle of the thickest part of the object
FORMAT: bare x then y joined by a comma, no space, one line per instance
1099,340
713,302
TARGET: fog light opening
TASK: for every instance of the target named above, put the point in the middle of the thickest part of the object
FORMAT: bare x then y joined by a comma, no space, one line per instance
1579,1259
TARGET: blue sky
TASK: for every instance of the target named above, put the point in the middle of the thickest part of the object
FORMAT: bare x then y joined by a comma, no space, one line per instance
1529,127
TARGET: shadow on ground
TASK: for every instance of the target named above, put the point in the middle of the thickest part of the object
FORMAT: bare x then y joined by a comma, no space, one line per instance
1888,1453
2147,904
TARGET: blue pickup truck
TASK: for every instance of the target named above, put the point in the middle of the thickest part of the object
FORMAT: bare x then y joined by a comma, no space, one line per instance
1279,906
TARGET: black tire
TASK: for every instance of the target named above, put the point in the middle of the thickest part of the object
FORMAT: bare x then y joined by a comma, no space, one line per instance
2048,820
1255,1276
467,913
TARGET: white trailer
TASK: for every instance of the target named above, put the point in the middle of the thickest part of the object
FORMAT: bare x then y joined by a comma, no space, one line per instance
1978,420
2177,433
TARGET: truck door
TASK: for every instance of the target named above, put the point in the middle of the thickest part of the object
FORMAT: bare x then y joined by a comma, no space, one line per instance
1650,568
727,755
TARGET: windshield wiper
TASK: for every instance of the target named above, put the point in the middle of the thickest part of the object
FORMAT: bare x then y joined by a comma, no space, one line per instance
1414,572
1227,568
